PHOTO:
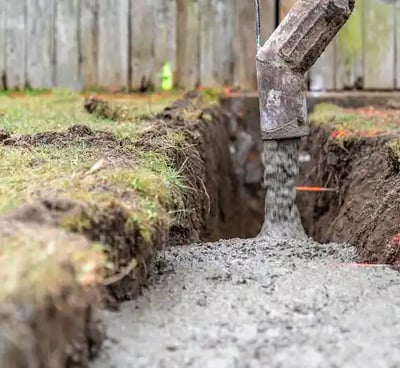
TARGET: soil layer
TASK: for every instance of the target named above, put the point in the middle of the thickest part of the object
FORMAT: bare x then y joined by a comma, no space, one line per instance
365,209
349,150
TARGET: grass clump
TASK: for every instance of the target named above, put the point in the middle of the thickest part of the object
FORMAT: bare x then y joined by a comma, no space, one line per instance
24,171
393,150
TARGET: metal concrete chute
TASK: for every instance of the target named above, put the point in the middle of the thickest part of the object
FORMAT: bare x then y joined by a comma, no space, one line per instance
282,62
289,53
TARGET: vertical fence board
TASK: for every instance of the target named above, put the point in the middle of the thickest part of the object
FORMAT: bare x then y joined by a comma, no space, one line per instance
113,44
224,42
207,39
350,48
397,44
245,47
142,44
88,41
322,74
164,39
15,43
188,43
2,43
379,44
67,73
245,41
40,42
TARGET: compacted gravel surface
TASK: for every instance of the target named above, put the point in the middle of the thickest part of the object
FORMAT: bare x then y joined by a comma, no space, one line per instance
263,302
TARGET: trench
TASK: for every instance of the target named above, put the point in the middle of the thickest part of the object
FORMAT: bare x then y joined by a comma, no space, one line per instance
198,301
363,210
271,301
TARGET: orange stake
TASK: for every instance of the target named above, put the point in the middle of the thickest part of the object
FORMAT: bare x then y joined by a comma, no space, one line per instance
315,189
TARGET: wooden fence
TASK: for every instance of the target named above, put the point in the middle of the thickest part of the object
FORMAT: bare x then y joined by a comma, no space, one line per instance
123,44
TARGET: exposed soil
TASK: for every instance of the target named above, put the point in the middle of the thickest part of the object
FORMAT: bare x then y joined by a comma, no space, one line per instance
76,134
60,330
365,210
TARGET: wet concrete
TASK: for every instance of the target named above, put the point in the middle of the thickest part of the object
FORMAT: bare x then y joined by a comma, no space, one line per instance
281,162
259,303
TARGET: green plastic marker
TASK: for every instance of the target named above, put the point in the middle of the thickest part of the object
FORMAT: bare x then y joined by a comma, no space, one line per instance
167,80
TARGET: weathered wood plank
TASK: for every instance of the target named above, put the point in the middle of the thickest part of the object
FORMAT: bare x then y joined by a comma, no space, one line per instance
67,72
88,41
322,74
2,43
15,43
113,43
245,41
224,41
379,44
188,44
164,37
350,48
40,43
397,45
208,31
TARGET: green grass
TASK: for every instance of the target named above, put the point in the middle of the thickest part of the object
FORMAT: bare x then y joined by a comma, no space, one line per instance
27,173
350,121
23,172
394,149
57,110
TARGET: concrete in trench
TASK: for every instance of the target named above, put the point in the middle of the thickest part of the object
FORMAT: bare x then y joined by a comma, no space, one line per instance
259,303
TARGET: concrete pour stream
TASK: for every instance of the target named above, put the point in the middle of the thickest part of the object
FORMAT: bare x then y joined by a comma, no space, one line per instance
265,302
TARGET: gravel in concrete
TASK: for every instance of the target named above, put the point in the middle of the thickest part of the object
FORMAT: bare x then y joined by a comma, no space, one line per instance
259,303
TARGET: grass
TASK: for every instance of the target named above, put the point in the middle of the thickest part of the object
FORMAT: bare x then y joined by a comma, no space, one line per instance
38,112
27,173
353,122
394,149
24,171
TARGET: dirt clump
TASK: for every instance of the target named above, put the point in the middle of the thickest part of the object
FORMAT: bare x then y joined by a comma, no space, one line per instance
76,134
106,110
48,298
4,135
